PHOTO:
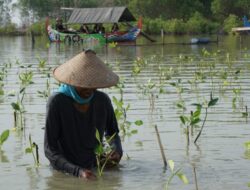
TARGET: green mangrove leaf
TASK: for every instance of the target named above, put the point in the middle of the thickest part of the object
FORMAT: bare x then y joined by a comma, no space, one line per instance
247,145
212,102
134,131
97,135
244,114
248,184
198,106
195,121
237,72
183,178
197,113
28,150
182,119
172,83
127,108
171,165
15,106
99,149
139,122
4,136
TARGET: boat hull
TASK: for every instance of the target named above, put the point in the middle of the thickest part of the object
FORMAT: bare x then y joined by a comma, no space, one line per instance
55,36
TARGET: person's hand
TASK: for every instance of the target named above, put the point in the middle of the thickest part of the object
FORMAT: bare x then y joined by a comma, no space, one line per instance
115,157
87,174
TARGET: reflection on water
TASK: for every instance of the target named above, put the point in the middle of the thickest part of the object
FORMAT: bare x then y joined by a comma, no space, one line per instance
218,161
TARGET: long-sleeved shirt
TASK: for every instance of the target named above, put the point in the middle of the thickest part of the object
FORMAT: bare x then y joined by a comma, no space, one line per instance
70,138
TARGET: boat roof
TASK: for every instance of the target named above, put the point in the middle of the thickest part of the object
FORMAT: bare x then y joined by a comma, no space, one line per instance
101,15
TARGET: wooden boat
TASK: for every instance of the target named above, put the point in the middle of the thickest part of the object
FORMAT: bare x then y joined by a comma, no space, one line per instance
96,16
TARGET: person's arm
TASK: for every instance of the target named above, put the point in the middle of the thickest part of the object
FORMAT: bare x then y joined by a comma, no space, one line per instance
111,129
51,145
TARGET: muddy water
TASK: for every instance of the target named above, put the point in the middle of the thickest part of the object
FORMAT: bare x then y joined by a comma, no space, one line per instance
219,158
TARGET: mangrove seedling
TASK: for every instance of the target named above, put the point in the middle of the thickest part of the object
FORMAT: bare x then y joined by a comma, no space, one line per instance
138,64
102,152
245,114
18,113
30,150
26,80
120,86
148,89
174,173
121,116
236,97
4,136
211,103
191,121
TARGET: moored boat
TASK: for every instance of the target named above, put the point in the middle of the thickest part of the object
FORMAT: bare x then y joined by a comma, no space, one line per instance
96,16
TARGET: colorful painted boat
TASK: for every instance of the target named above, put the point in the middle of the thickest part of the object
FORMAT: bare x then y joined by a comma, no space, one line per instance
96,16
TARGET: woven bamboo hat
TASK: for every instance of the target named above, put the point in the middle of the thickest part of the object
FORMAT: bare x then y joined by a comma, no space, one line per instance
86,70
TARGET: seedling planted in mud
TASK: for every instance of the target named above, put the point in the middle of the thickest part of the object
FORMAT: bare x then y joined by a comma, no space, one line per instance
245,114
103,153
194,118
121,116
18,114
30,150
211,103
191,121
174,173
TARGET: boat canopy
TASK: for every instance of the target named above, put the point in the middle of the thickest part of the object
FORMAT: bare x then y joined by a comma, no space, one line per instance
101,15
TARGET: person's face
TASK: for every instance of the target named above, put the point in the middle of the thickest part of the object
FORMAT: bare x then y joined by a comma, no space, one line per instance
84,92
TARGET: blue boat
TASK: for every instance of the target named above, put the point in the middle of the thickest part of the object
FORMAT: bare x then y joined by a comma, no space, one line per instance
200,40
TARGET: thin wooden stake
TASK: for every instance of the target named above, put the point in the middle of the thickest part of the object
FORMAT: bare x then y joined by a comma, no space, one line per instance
195,178
161,147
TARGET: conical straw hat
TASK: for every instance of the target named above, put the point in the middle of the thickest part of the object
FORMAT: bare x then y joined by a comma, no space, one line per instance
86,70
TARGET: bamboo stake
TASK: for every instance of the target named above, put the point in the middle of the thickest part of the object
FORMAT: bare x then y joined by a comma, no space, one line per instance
161,147
195,178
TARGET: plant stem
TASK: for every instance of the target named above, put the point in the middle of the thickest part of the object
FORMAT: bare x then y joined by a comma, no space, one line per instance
31,146
161,147
201,127
37,154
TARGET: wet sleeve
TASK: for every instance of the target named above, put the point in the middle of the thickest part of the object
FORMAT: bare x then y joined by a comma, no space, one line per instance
111,128
51,145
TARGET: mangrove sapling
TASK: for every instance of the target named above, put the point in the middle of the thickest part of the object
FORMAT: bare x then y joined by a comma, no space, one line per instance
120,86
121,116
211,103
138,64
191,121
236,97
148,89
245,114
4,136
18,114
25,79
45,93
247,150
30,150
179,88
103,153
174,173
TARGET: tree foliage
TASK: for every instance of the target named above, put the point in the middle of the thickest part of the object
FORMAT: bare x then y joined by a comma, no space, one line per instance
175,16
